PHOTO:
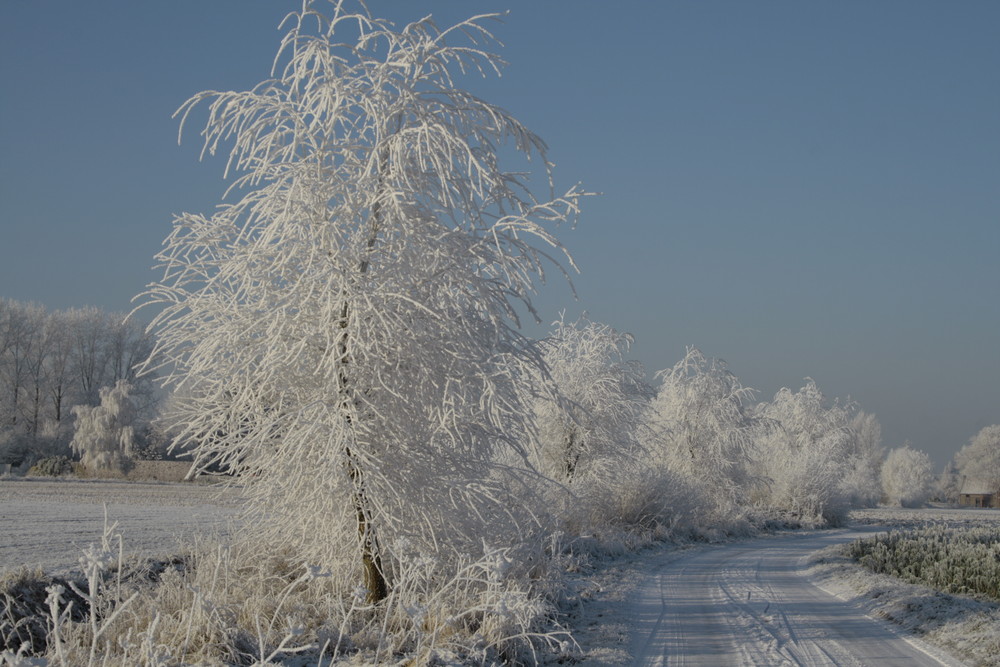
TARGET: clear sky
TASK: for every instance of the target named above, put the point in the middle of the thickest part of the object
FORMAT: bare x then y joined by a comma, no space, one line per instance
799,188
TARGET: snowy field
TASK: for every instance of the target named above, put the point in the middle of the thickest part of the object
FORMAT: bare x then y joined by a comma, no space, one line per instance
46,523
896,517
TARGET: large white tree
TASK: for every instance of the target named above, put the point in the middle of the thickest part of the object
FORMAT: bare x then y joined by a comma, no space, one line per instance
703,426
861,479
590,421
104,436
807,455
980,459
906,477
345,330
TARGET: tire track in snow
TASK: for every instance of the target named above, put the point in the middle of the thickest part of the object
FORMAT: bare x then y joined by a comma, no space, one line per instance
748,603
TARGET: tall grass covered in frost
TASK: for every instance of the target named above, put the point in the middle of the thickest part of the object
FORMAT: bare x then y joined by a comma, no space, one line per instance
238,604
953,560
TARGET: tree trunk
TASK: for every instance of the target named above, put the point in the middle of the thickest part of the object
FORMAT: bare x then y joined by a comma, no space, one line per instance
371,557
570,456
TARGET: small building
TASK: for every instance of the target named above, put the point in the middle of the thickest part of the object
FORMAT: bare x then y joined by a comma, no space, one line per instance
978,493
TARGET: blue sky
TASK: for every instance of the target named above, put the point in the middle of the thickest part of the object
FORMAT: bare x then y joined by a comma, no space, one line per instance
801,189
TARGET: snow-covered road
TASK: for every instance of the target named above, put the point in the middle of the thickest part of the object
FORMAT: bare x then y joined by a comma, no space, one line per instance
750,603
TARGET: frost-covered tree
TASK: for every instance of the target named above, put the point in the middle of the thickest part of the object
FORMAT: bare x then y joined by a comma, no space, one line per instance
703,426
590,420
807,455
861,479
980,459
104,436
345,330
906,477
949,484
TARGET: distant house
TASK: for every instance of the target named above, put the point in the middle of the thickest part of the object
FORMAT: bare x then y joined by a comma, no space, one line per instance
978,493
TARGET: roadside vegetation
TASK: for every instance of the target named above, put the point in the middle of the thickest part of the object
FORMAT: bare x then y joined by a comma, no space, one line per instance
891,576
963,560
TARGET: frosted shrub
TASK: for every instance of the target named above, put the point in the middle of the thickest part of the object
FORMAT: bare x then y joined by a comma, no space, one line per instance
634,503
949,484
906,477
807,455
862,482
53,466
953,560
980,459
701,426
484,609
589,423
104,438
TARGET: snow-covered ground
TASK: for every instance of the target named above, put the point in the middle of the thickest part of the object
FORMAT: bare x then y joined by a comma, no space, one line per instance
47,523
749,603
788,598
964,626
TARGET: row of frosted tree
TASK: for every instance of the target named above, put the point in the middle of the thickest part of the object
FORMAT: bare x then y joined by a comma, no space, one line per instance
697,428
54,364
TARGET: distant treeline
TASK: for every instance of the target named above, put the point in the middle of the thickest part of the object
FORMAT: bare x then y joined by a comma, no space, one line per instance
51,361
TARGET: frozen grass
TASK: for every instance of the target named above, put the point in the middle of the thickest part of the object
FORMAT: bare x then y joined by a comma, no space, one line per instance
235,602
233,605
965,626
964,560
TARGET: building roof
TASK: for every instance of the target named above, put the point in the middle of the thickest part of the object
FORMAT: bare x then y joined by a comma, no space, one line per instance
977,486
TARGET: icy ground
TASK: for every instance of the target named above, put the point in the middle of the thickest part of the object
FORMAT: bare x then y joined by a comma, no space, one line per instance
785,599
749,603
47,523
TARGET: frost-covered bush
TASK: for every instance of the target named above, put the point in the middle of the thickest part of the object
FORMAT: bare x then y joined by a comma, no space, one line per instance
702,426
637,499
588,420
104,438
53,466
980,459
862,482
948,485
953,560
906,477
807,455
